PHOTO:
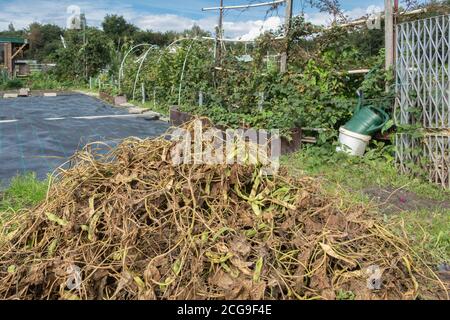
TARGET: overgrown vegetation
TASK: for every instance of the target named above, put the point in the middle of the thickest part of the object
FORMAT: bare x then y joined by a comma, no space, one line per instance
316,92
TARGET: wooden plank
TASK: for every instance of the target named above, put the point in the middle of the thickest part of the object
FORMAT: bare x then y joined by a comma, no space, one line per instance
18,51
357,71
287,27
8,60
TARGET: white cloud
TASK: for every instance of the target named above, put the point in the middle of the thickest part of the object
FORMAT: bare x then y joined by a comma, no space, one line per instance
171,22
325,19
252,28
23,12
374,9
164,22
319,18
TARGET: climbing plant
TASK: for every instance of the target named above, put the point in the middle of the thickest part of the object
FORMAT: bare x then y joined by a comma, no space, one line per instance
316,91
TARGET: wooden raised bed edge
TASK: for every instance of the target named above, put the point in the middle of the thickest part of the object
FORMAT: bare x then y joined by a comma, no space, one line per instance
178,118
115,100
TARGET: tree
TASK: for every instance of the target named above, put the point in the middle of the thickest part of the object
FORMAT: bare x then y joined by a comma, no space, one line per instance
156,38
196,31
44,39
71,60
35,36
118,29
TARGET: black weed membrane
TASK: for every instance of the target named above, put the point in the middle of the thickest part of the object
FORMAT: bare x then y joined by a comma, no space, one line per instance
38,134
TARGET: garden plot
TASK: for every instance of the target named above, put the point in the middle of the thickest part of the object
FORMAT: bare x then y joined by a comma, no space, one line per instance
38,134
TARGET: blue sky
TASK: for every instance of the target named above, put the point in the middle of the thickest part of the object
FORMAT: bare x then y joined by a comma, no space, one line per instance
169,14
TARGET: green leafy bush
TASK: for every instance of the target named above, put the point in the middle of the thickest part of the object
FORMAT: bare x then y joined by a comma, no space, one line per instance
12,84
44,81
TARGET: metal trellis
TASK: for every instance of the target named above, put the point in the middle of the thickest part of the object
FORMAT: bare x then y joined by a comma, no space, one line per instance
423,96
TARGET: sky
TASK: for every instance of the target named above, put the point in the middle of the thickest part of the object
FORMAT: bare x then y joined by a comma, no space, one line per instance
177,15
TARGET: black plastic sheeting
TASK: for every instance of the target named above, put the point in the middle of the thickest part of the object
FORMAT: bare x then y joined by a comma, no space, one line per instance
36,144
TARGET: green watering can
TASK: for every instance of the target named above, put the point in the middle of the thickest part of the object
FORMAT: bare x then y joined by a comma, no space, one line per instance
366,120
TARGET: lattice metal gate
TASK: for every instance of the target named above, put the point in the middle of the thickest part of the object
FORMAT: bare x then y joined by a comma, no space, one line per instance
423,97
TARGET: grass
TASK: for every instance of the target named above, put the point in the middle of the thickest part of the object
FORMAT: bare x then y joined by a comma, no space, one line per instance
24,191
428,229
163,109
356,173
10,84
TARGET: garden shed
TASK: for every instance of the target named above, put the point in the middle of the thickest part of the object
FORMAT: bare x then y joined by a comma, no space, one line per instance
10,49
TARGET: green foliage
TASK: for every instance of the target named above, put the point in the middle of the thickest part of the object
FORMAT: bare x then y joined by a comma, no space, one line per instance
162,70
375,83
430,233
345,295
157,38
79,58
45,40
44,81
118,29
316,92
9,84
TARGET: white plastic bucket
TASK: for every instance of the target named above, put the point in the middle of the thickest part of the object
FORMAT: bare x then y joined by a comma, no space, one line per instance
351,142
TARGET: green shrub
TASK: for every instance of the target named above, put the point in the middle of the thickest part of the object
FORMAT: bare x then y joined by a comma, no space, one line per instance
12,84
43,81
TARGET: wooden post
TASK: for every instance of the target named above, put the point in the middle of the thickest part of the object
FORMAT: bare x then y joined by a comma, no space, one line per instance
287,26
394,32
389,34
8,58
219,34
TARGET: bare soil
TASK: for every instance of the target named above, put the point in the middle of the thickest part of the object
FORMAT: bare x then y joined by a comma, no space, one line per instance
392,200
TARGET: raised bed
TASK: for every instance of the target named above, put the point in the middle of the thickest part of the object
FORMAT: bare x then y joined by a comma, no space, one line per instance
115,100
178,118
